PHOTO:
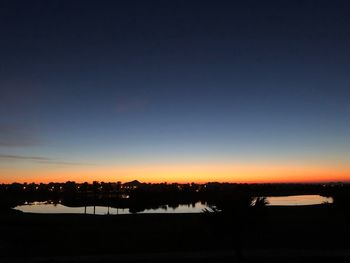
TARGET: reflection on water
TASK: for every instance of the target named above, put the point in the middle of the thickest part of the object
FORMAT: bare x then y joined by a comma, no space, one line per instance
294,200
49,208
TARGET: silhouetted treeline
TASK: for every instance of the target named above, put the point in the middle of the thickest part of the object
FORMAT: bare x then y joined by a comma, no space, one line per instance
139,196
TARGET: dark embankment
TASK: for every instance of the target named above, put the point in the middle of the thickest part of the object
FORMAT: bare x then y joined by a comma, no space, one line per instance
283,228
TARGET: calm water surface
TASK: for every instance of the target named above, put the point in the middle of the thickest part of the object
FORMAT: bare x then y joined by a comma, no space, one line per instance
295,200
50,208
47,208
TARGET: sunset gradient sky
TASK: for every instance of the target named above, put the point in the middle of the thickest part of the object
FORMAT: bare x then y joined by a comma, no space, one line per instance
176,91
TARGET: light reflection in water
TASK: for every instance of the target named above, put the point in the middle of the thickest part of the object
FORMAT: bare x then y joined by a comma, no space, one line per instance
57,208
49,208
295,200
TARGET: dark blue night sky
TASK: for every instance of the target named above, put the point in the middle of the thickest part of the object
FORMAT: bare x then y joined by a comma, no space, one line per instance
109,84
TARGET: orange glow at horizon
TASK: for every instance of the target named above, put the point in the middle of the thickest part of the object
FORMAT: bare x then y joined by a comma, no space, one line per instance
258,173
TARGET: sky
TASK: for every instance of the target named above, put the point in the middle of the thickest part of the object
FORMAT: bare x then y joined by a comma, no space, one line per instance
174,91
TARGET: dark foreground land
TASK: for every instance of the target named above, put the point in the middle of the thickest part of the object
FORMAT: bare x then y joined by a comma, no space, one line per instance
278,234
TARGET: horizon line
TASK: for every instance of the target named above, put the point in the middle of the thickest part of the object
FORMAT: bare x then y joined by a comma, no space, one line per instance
189,182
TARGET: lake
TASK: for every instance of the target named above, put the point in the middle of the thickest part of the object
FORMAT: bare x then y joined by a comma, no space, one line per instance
50,208
295,200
